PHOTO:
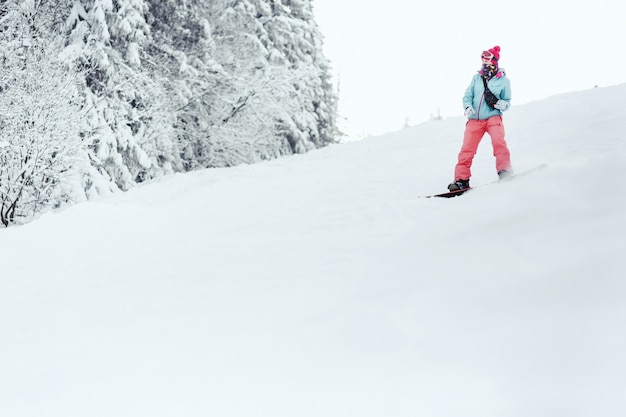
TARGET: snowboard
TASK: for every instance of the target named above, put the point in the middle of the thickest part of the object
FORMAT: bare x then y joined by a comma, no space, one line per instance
457,193
449,194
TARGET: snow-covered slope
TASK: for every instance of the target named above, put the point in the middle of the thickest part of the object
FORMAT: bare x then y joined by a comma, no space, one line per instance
321,285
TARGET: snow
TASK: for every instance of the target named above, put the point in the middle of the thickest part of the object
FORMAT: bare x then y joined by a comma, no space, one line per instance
322,285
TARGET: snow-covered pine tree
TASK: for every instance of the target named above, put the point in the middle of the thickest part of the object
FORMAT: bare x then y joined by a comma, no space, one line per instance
240,98
248,94
129,119
182,52
152,150
294,40
272,100
40,148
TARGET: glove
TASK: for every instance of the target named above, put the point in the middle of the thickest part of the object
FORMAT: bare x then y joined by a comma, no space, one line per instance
490,98
469,111
502,105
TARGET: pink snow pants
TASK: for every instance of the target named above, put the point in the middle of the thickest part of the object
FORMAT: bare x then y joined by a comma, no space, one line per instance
474,132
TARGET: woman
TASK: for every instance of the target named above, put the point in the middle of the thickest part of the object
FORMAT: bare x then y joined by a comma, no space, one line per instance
488,95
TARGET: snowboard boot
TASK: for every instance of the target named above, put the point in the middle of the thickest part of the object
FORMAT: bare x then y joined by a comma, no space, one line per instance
504,174
459,185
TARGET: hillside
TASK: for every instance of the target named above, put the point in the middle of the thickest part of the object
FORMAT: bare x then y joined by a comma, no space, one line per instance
321,285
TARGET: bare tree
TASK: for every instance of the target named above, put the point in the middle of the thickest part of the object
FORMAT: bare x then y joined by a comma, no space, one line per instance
39,120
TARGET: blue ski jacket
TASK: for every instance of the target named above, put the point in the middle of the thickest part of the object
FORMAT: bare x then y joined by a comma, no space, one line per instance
475,95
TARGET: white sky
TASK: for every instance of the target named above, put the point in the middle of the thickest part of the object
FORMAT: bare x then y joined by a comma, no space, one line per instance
402,59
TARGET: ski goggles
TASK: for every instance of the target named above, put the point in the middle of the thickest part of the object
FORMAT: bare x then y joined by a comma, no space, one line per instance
488,55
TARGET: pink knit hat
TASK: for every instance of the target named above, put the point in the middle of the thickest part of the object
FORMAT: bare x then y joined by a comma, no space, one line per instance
495,52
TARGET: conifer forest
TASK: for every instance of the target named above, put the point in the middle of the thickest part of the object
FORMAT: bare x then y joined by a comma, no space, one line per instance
97,96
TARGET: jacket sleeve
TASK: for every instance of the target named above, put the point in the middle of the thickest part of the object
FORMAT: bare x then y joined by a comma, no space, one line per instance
505,94
468,97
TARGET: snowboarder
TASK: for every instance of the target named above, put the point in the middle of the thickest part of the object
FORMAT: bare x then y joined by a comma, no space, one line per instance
488,95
